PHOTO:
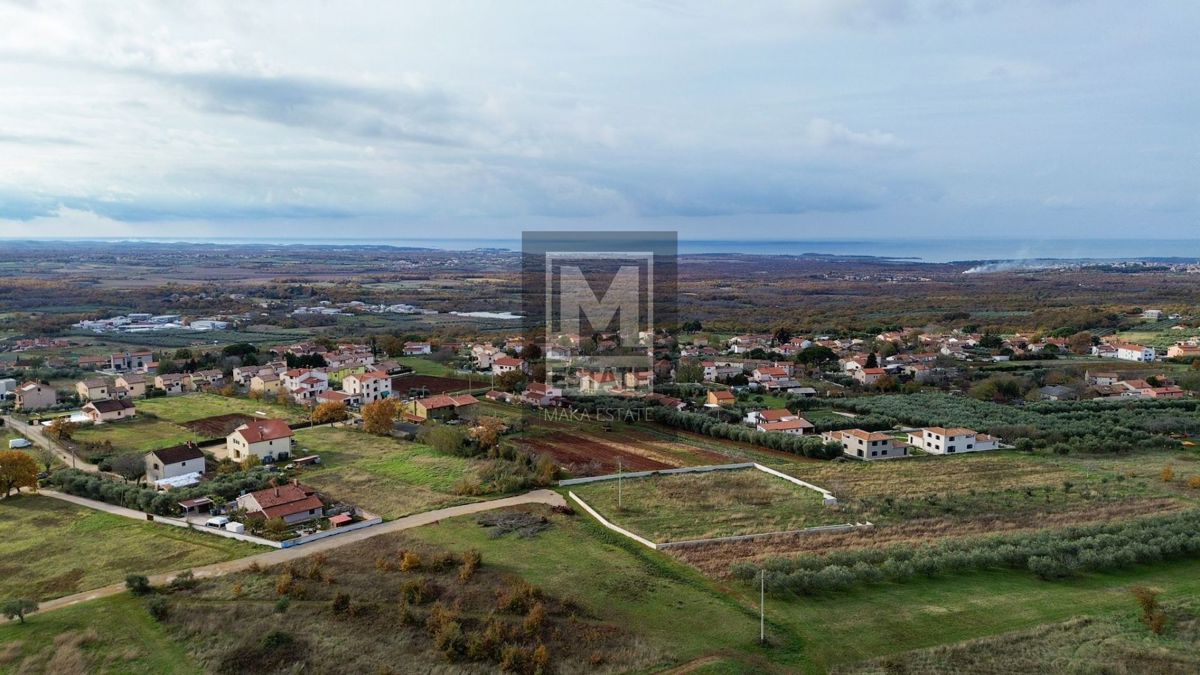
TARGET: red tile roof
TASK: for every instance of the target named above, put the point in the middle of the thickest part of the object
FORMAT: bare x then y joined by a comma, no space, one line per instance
263,430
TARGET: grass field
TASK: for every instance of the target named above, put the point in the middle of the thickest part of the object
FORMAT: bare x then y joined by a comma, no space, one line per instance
140,434
1119,642
424,366
384,475
111,635
191,407
706,505
674,609
50,548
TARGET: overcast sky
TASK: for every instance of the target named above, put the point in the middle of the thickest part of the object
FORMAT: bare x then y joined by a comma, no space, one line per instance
810,119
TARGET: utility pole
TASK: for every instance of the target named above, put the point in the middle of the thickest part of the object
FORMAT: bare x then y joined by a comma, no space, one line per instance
762,607
619,506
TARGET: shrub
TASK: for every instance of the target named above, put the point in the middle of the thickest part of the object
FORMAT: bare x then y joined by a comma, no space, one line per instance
184,581
158,607
410,561
1168,473
284,584
470,563
282,604
138,584
1194,482
341,604
535,619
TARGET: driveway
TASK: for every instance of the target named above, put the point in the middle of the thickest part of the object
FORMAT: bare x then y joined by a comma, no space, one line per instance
277,556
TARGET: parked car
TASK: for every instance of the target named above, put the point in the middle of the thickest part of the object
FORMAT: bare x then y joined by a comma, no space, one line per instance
217,521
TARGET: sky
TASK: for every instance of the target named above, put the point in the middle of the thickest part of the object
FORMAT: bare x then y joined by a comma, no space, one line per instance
722,120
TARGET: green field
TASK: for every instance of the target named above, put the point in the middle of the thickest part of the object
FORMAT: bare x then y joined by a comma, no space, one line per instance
111,635
669,605
384,475
198,406
50,548
706,505
140,434
423,366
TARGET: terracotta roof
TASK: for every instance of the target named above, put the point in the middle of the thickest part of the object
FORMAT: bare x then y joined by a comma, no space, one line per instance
283,494
775,415
508,361
722,395
444,401
867,435
952,431
263,430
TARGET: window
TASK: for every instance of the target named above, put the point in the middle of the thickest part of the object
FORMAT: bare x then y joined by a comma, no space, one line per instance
874,453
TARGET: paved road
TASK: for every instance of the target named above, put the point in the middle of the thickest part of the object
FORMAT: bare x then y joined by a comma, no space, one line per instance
283,555
38,436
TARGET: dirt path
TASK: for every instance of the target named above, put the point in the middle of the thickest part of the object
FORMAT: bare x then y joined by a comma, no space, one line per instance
283,555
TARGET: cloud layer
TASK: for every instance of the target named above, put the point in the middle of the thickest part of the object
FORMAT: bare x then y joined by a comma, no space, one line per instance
725,120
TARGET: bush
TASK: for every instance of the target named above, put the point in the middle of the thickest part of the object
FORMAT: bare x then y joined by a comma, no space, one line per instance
282,604
184,581
158,607
138,584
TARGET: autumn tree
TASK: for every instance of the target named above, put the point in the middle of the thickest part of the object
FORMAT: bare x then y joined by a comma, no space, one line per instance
379,415
332,411
62,428
17,470
488,431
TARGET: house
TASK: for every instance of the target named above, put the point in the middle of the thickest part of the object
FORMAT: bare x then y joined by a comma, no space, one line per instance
867,445
507,364
770,374
1101,379
35,396
1183,350
483,355
204,379
109,410
1153,314
139,361
243,374
1133,352
266,381
667,401
268,439
797,426
772,415
133,383
541,394
304,384
719,398
93,362
869,376
294,503
331,396
175,461
93,389
172,383
417,348
597,381
369,387
949,441
440,407
1167,392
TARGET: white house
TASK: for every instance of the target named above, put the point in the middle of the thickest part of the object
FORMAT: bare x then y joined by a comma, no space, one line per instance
270,438
109,410
175,461
368,387
417,348
541,394
798,426
507,364
867,445
949,441
1131,352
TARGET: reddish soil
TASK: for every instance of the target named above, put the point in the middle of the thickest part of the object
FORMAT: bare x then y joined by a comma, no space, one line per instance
436,385
583,456
218,426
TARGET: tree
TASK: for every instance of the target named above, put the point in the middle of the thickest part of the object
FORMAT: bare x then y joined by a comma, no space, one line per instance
816,356
138,584
276,526
443,438
690,371
17,470
872,361
62,428
488,432
183,354
333,411
783,335
17,609
1081,343
378,416
513,380
130,466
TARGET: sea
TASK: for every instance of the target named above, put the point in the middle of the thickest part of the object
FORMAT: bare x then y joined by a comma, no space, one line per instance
926,249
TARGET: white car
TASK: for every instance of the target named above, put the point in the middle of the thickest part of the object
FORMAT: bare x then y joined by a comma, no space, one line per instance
217,521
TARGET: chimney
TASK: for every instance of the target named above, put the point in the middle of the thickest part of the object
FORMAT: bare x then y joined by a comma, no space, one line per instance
276,490
296,482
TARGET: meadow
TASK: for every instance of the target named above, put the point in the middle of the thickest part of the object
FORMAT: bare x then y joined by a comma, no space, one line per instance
50,548
140,434
706,505
190,407
384,475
